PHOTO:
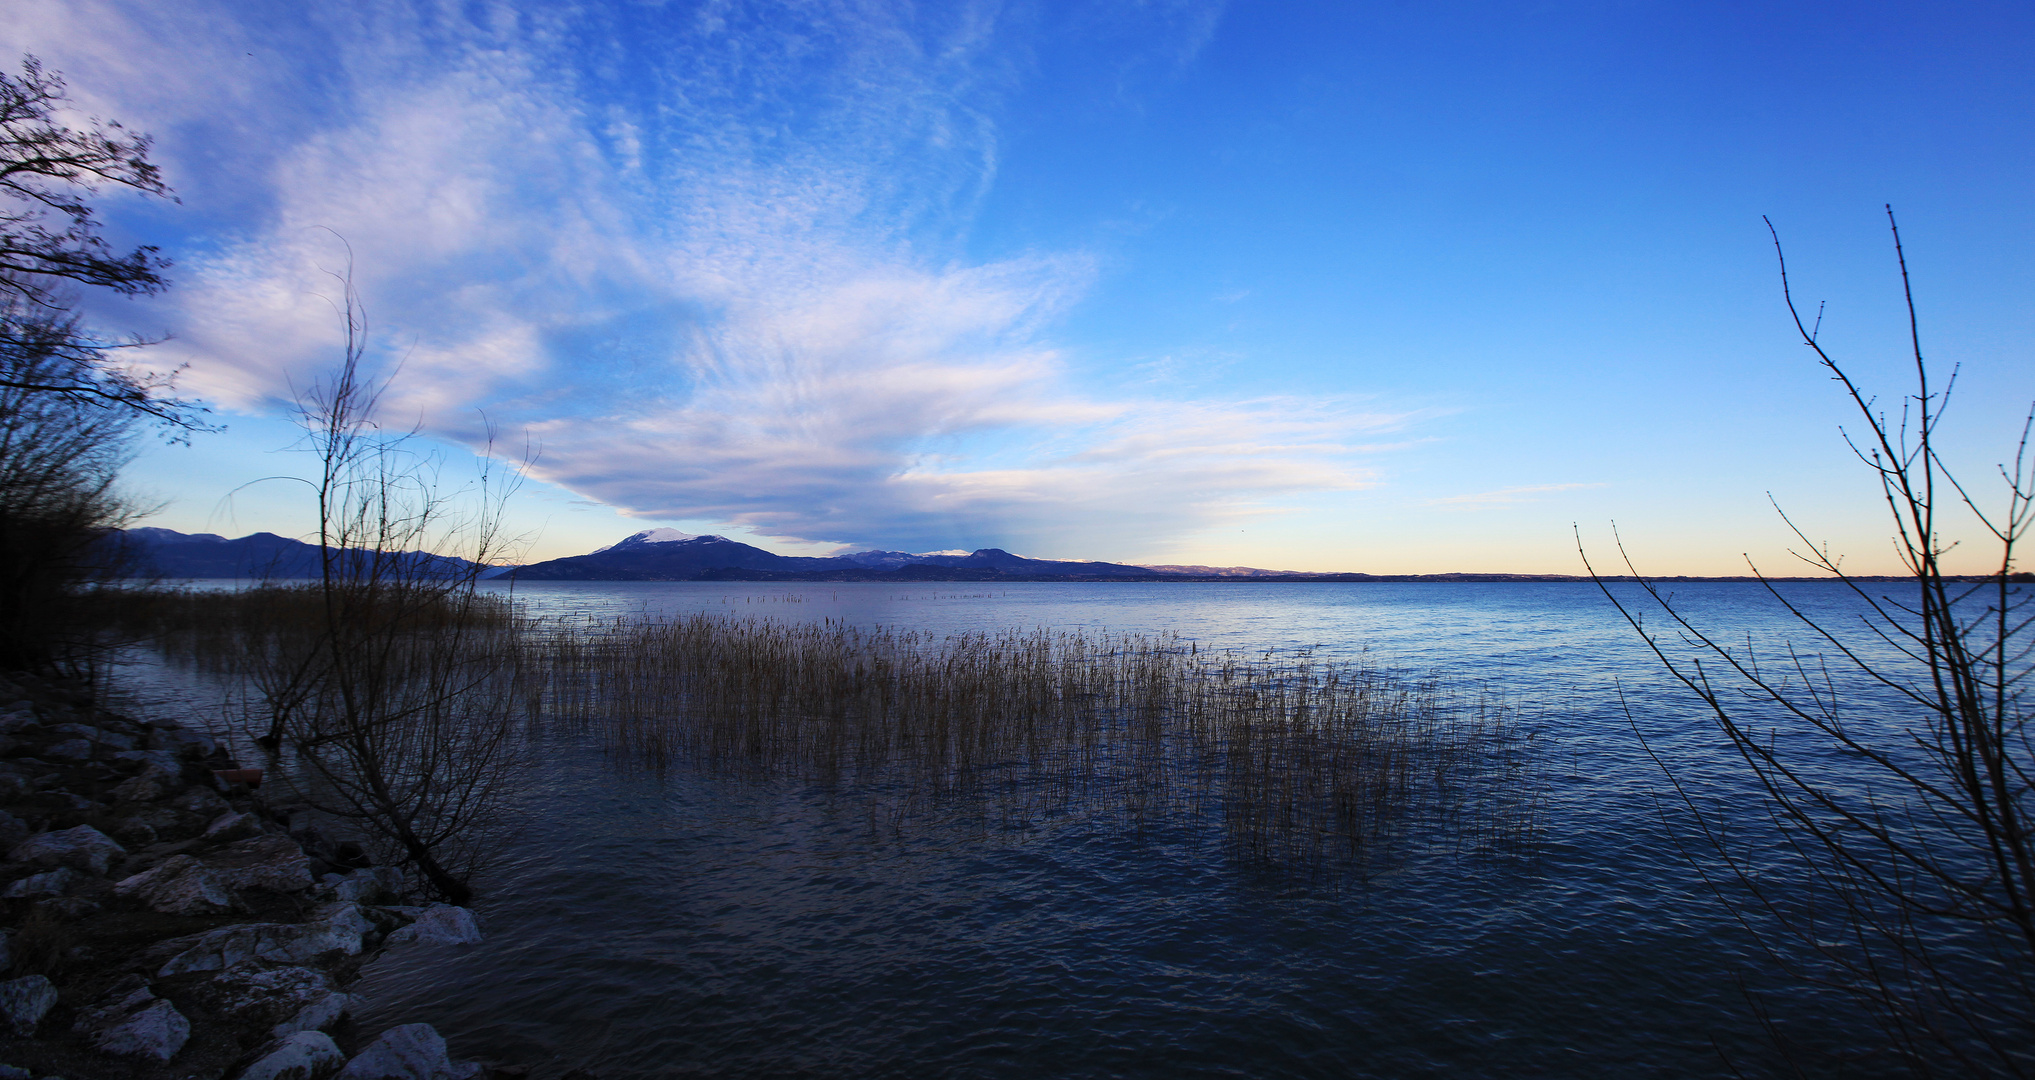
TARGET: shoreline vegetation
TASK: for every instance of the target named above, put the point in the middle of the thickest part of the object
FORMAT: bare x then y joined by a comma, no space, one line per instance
1301,764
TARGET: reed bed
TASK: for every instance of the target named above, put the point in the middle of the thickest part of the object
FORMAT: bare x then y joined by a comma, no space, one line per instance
241,630
1295,760
1301,761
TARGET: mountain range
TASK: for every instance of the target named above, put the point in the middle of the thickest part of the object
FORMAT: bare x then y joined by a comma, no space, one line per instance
169,553
671,555
651,555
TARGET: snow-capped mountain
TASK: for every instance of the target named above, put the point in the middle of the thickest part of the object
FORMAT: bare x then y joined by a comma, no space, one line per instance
648,536
888,560
650,555
670,555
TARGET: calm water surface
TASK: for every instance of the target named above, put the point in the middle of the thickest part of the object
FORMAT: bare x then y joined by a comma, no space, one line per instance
693,925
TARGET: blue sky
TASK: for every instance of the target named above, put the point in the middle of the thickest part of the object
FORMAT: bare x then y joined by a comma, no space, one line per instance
1388,287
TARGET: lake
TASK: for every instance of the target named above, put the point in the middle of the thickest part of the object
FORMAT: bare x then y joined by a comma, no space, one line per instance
698,925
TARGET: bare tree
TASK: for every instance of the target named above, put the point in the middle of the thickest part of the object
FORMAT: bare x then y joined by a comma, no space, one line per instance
1908,819
402,711
50,244
68,403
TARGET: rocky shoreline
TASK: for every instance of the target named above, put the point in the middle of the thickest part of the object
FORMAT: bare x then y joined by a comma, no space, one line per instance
164,919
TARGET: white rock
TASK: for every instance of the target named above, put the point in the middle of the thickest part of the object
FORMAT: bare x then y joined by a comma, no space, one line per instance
82,848
129,995
48,883
274,863
440,924
180,886
150,784
321,1013
25,1001
304,1055
410,1052
337,927
158,1030
234,826
198,800
286,999
372,885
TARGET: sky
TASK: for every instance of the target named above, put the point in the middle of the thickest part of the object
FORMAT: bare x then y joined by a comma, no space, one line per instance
1380,287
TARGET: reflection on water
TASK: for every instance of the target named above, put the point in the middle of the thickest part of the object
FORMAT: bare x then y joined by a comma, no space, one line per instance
693,924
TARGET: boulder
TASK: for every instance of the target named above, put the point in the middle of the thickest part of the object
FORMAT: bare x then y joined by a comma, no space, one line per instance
335,927
154,1029
112,740
204,803
12,829
135,832
281,998
438,924
410,1052
25,1001
127,994
274,863
81,848
374,885
160,759
70,750
304,1055
181,885
319,1015
15,1072
68,908
182,743
75,801
152,783
48,883
234,826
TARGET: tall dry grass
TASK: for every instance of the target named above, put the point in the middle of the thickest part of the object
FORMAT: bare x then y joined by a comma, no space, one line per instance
390,705
1302,761
1298,761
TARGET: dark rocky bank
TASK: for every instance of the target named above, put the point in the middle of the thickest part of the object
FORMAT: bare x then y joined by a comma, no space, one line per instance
162,920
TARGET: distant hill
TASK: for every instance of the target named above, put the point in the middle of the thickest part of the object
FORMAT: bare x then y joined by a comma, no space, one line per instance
669,555
1228,571
171,554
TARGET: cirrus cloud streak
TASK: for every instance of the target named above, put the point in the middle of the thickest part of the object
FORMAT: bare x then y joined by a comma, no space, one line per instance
709,257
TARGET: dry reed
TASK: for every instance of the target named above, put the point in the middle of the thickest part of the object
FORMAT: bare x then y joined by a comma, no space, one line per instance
1297,760
1303,761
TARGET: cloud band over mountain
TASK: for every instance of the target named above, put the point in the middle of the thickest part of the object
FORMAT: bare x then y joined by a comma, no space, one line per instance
713,259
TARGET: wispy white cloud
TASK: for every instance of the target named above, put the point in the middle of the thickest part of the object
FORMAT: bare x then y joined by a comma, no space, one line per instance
1505,496
707,257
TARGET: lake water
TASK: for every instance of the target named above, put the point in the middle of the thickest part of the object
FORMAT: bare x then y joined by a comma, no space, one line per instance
694,925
